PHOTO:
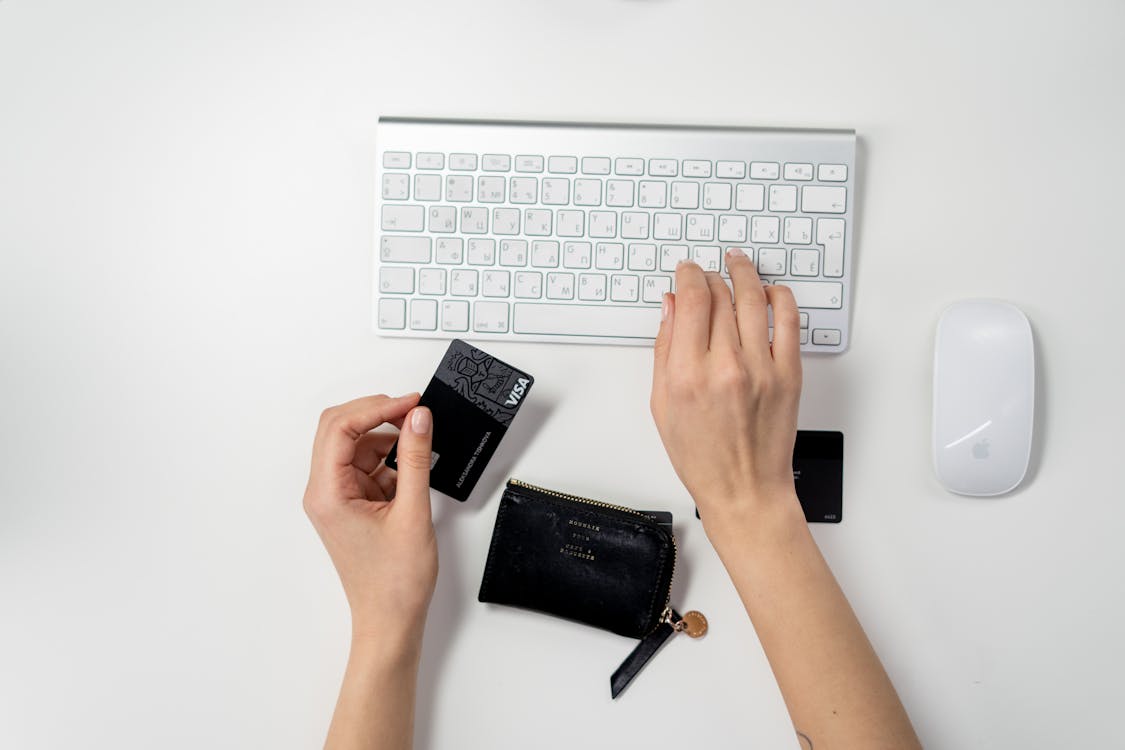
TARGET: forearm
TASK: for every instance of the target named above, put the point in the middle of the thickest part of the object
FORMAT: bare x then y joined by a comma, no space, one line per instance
375,710
833,683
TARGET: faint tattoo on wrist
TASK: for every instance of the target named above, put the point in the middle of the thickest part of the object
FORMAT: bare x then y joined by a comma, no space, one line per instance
805,741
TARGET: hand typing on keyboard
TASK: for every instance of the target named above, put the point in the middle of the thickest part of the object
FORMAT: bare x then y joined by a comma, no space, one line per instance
725,398
725,403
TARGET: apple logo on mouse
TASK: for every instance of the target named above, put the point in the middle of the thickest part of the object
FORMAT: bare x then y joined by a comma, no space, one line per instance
980,450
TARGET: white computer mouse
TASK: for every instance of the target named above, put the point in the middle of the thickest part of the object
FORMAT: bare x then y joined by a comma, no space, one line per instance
984,397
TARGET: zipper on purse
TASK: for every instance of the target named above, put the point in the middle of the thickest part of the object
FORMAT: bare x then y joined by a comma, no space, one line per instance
611,506
692,623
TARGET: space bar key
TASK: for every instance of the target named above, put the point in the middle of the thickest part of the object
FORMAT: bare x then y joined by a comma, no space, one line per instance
586,320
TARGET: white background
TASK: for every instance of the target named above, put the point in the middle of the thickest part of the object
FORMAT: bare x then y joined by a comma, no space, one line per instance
186,197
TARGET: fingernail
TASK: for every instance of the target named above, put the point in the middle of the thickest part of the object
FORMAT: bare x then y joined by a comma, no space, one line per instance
664,307
736,252
684,262
420,421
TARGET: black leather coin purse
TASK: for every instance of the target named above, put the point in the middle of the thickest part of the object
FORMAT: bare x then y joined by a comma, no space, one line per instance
601,564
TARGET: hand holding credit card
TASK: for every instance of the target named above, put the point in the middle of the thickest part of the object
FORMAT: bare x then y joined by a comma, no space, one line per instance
474,397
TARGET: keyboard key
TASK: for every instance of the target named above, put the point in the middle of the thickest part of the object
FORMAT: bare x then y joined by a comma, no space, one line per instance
447,250
431,281
783,198
707,257
610,256
404,249
482,252
396,280
396,186
634,225
494,283
562,165
560,285
443,219
806,262
587,192
830,233
591,287
624,288
804,320
513,252
454,315
832,172
642,257
735,170
798,171
496,163
577,254
671,255
764,170
654,288
423,314
631,167
603,224
764,229
652,194
392,313
662,167
474,220
750,198
817,294
463,162
463,282
798,230
430,160
396,160
537,222
732,228
700,228
529,284
403,218
505,221
619,193
603,321
523,189
696,168
427,187
570,223
545,254
595,165
826,336
716,196
772,261
459,188
822,199
685,195
490,189
490,317
529,163
556,191
666,226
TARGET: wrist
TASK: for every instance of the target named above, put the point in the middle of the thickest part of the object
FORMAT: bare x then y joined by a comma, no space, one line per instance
388,640
752,523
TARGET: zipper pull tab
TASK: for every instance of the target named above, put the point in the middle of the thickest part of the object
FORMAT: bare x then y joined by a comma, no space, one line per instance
693,624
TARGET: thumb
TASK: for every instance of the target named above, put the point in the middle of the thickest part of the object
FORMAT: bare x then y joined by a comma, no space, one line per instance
414,452
663,342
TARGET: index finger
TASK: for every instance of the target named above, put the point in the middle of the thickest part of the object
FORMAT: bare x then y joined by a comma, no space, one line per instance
341,426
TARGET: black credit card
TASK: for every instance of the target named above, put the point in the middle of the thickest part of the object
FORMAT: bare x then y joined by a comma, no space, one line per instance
473,397
818,474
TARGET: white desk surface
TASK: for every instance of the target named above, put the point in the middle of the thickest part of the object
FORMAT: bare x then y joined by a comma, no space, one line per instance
185,234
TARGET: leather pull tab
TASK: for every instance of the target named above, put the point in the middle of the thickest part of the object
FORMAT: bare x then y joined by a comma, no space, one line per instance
640,656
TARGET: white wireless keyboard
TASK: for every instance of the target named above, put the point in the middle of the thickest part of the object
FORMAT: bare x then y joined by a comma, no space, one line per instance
562,232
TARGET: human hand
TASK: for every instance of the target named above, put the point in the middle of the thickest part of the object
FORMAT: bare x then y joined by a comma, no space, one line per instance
375,522
724,399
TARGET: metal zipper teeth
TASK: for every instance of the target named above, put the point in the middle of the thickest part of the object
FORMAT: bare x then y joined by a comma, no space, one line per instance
600,504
